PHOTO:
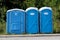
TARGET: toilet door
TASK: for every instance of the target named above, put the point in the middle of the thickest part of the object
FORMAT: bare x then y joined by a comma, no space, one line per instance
15,21
46,20
32,21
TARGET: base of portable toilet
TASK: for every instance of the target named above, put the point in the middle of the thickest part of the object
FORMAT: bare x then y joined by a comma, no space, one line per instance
32,26
15,21
46,25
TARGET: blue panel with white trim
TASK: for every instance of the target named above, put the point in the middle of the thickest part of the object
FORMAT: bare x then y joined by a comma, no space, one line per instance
32,20
46,20
15,21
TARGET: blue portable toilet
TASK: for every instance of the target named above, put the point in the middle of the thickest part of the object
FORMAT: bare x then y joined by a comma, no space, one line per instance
46,20
32,20
15,21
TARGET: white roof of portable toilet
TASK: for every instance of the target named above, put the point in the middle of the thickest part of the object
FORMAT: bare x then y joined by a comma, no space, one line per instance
31,8
15,9
45,8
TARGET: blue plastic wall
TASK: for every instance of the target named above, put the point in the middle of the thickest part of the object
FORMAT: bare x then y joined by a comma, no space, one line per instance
46,20
15,21
32,20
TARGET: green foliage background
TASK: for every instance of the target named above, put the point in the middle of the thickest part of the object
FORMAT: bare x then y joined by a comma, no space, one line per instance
23,4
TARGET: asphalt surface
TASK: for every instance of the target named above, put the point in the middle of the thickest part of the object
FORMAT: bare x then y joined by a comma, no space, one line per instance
31,37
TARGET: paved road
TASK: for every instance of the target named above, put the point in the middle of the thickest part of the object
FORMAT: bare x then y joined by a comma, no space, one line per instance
31,37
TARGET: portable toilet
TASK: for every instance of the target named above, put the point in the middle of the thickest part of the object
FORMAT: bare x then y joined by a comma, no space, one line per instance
46,20
15,21
32,20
